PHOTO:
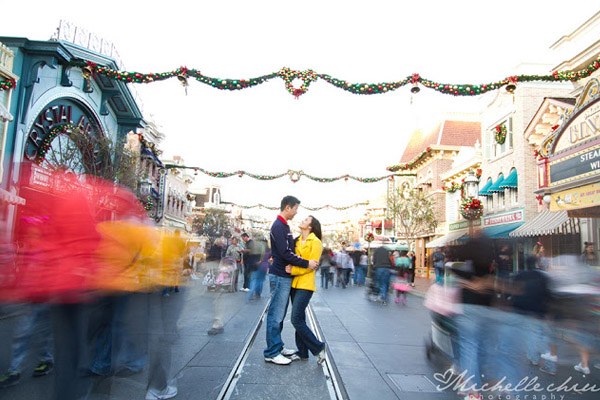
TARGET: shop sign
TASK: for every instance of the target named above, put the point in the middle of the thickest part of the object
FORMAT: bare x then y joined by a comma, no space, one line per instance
582,128
581,197
462,225
57,113
587,162
40,177
505,218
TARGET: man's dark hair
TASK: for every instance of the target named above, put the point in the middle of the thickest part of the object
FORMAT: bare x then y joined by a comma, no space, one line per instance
245,235
288,201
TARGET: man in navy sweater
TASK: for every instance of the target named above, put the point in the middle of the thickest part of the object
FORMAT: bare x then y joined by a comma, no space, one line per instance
282,248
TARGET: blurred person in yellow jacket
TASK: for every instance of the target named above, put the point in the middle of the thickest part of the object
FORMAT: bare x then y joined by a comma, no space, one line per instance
164,313
309,247
126,258
127,255
173,251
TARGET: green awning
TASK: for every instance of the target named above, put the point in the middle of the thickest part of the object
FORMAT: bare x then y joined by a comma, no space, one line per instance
500,231
511,181
495,188
485,189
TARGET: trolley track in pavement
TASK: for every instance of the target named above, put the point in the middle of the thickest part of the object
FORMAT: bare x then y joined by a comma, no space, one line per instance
335,386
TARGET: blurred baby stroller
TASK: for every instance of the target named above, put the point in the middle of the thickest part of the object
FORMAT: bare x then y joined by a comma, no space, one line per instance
222,277
444,303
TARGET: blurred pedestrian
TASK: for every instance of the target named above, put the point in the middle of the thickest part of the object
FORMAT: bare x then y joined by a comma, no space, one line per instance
530,297
257,277
383,271
540,256
589,256
346,266
438,259
412,269
252,255
360,270
325,267
473,325
234,252
164,313
33,322
34,319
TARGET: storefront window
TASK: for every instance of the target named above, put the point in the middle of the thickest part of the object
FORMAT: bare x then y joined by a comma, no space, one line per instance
501,200
489,204
514,196
64,154
493,148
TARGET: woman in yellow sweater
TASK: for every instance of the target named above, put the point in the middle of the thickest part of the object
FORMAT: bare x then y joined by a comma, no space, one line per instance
309,247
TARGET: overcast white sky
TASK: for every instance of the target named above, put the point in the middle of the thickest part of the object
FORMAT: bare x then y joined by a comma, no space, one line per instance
327,131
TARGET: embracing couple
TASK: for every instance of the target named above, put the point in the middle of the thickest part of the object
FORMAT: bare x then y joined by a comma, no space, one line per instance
292,276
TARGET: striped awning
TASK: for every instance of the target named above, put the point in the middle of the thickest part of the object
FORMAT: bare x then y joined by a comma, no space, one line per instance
448,239
548,223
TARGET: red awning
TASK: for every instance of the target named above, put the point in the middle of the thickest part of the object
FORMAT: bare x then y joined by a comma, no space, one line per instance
377,224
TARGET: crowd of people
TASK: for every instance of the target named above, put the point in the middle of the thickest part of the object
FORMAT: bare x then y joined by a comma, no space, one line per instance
120,273
87,271
548,302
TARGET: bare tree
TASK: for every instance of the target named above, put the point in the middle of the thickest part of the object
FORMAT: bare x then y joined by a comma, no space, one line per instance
213,223
412,212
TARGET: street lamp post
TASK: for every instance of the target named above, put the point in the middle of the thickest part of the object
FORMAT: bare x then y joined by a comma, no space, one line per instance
369,263
471,191
145,186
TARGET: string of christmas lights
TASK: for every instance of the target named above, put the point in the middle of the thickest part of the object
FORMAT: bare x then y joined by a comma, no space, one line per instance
288,75
47,142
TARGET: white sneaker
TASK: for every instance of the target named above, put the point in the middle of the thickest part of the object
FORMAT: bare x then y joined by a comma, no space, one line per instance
245,289
549,357
582,369
279,360
288,352
166,393
296,357
321,355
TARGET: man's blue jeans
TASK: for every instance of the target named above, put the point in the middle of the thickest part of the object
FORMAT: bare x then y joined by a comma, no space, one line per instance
280,297
360,273
383,281
305,338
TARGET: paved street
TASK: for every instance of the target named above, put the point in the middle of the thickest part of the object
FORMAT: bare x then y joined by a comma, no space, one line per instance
377,350
380,350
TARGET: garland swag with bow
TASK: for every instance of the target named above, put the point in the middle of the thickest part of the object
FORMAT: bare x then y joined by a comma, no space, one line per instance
90,69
